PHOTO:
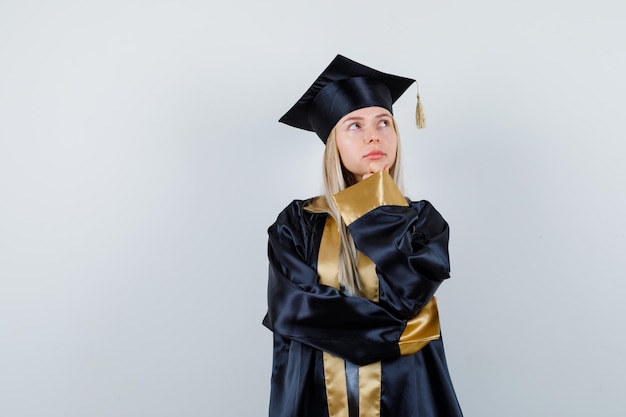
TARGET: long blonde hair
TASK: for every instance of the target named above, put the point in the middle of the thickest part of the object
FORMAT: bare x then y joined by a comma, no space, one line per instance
337,178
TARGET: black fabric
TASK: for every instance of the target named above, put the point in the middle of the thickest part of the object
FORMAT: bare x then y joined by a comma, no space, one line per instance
352,388
409,247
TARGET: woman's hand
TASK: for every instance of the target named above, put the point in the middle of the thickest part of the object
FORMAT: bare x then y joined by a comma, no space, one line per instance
374,168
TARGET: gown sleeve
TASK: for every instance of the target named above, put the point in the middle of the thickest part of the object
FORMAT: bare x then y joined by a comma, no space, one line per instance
408,242
301,309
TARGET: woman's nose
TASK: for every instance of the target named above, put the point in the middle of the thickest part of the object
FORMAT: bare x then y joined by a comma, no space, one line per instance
372,136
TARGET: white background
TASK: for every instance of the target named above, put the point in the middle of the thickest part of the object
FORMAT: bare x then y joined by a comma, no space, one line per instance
141,162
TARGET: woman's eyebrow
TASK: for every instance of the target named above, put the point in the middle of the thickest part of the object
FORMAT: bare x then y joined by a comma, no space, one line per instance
352,118
360,118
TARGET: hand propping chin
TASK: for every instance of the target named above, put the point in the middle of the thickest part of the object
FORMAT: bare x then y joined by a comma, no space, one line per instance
374,168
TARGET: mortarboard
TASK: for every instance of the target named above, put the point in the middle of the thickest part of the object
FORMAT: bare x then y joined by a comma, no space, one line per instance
345,86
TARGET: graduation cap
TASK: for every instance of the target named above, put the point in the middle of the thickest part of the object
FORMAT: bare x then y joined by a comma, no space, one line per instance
343,87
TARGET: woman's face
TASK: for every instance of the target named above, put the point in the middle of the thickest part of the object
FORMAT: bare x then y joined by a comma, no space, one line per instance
367,141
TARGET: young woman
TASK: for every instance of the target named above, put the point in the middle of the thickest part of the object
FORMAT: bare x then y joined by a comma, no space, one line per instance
353,272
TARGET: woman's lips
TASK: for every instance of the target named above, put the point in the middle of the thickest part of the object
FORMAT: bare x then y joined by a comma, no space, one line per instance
374,155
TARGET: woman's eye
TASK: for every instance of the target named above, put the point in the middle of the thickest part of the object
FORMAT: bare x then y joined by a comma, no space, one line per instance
384,123
354,126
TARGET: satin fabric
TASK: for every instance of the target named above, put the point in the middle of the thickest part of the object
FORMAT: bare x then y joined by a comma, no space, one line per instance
409,247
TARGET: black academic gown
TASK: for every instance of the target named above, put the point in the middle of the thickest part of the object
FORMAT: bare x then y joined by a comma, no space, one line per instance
409,246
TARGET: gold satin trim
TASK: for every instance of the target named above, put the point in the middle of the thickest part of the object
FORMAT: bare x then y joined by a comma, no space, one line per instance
317,206
328,257
421,329
375,191
334,367
369,390
336,389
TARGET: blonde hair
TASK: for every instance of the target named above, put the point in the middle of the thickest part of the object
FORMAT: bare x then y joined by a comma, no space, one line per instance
336,179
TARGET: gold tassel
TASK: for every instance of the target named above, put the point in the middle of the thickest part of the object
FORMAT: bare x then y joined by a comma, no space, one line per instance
420,119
